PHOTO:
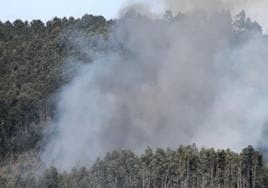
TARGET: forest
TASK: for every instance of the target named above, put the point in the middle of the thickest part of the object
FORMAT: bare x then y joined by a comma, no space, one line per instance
186,167
32,69
31,59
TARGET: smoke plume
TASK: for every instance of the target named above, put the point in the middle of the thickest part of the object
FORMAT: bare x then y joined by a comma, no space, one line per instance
209,5
164,82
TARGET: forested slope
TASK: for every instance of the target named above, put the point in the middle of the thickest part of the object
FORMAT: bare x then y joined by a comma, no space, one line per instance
31,70
32,67
33,56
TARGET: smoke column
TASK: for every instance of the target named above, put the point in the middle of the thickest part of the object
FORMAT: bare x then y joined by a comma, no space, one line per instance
163,82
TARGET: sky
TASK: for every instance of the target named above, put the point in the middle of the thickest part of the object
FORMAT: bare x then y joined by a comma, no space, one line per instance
47,9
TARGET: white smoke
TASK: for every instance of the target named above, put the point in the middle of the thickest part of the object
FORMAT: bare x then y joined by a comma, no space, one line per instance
163,82
207,5
256,9
240,111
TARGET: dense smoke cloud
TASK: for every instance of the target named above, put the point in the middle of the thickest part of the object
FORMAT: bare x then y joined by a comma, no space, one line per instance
163,82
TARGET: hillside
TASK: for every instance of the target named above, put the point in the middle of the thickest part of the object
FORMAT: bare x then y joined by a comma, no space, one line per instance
37,60
32,57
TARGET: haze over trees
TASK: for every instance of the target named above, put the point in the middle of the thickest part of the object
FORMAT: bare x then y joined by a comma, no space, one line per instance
33,68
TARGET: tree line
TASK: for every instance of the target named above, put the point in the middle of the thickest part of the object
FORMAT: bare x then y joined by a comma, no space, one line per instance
185,167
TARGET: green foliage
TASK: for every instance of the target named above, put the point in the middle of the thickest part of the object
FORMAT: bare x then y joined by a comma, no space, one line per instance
32,56
186,167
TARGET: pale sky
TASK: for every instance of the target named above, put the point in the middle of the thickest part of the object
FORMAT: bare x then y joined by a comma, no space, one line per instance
47,9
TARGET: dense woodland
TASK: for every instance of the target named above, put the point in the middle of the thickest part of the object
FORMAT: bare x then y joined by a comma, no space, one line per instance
186,167
32,68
